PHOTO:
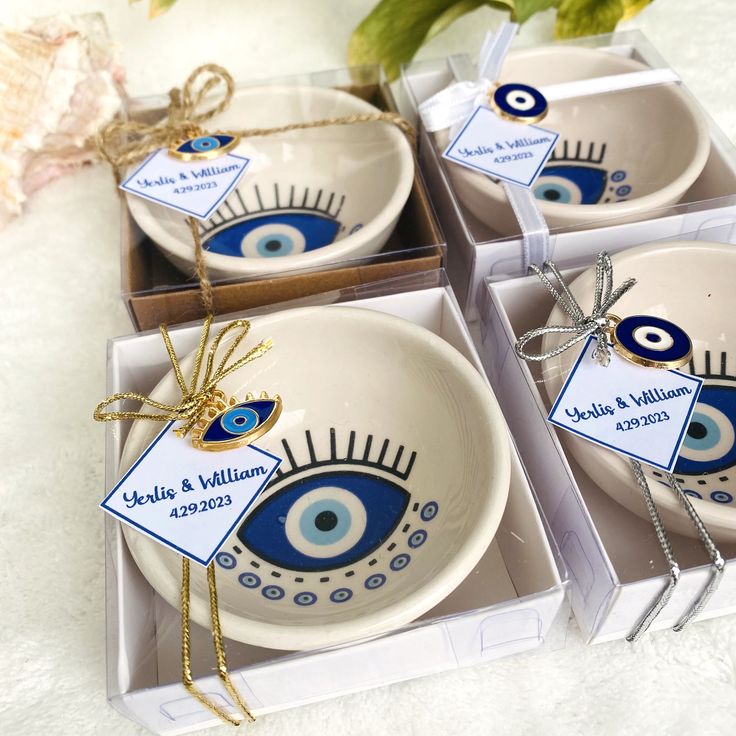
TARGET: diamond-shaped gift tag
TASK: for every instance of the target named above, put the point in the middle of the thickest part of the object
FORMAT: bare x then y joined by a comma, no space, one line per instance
192,187
188,499
500,148
640,412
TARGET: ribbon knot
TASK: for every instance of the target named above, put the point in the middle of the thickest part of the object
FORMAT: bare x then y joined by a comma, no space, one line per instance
597,324
194,398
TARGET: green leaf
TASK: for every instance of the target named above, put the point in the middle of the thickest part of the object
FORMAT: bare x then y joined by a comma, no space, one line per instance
159,7
633,7
395,29
525,9
587,17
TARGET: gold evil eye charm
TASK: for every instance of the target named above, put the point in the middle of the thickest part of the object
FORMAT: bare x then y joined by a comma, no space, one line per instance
228,424
203,147
519,103
650,341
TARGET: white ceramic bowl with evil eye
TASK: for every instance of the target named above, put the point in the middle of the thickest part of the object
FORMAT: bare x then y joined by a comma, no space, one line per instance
308,198
394,479
619,154
690,284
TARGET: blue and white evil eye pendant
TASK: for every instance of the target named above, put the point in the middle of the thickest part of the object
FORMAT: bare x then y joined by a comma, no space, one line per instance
229,423
519,103
650,341
203,147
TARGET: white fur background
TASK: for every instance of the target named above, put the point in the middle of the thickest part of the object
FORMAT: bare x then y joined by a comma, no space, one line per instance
59,302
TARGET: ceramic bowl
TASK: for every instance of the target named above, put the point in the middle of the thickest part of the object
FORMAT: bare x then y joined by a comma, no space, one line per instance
394,479
620,154
308,197
690,284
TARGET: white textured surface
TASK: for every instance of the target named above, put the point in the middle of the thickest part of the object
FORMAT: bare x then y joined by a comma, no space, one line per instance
60,302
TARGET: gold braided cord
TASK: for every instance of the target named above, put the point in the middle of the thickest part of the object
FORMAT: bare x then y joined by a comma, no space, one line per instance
220,647
125,142
186,659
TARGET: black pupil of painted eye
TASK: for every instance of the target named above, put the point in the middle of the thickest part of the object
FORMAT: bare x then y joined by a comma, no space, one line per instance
552,194
239,420
697,431
653,337
520,100
326,521
273,246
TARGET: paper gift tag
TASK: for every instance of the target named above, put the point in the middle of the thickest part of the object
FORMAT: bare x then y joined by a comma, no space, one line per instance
188,499
194,188
640,412
505,150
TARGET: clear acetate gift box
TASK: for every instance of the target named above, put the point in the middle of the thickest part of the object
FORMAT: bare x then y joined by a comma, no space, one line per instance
506,605
630,166
316,210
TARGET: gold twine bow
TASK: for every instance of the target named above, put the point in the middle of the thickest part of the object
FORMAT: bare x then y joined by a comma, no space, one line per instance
124,142
193,403
194,399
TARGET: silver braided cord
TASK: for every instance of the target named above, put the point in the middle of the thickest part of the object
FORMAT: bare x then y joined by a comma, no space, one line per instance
718,564
664,542
583,326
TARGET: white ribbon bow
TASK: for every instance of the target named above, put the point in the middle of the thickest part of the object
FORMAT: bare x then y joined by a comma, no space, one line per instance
452,106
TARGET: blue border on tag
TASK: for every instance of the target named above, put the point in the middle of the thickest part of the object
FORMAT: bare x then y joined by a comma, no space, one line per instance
462,162
165,542
164,203
667,468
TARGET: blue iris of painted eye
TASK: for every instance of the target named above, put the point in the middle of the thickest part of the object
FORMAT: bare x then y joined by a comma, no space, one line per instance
325,521
273,236
236,425
206,144
710,442
571,184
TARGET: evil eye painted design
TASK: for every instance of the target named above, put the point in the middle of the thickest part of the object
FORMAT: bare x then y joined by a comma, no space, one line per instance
400,562
226,561
341,595
273,592
375,581
249,580
204,147
519,102
568,184
305,599
710,441
707,457
652,341
284,229
325,521
575,174
237,424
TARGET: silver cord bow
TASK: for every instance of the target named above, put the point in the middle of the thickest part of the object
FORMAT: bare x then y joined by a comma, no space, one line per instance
597,323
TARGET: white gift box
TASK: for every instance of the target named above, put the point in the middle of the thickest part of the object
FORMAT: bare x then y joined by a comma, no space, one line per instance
615,563
505,606
476,252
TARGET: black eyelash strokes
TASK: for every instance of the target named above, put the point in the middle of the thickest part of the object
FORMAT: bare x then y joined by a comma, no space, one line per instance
367,455
303,199
720,371
591,157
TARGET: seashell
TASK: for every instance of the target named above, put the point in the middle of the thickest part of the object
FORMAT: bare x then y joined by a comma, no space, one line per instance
60,81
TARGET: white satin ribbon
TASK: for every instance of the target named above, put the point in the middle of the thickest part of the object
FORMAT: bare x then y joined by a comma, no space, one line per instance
453,105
